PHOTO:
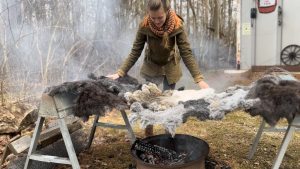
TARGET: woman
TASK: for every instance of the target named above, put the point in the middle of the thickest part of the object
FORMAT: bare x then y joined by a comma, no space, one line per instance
163,31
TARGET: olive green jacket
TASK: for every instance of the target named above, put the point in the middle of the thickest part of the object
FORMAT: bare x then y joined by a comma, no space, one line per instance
160,61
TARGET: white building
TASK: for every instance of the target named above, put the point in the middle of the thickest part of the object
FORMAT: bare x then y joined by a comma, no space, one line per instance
273,37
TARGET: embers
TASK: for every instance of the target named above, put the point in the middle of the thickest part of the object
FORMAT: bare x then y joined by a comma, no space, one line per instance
154,154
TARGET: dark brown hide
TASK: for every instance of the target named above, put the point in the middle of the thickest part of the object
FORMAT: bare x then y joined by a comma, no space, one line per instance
277,100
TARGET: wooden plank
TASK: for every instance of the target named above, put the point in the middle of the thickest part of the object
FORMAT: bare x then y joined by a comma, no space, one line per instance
47,137
51,135
69,120
278,129
115,126
20,145
264,68
6,152
48,159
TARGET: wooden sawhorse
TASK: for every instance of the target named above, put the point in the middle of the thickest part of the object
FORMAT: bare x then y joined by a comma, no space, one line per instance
58,106
127,126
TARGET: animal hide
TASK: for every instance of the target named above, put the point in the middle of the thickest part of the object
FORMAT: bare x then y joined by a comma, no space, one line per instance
200,110
119,86
277,100
95,97
169,119
232,99
209,107
152,94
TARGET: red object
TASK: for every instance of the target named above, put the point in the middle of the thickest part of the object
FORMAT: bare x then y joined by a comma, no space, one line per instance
266,9
238,62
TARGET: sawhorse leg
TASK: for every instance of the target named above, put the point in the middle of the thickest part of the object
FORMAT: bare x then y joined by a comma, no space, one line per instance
285,142
93,131
258,135
34,141
130,131
72,160
127,126
68,143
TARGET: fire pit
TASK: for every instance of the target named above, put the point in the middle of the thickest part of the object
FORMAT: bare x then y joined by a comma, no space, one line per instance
194,150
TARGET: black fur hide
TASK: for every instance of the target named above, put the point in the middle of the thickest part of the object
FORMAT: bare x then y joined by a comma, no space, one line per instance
92,98
119,86
200,110
95,97
277,100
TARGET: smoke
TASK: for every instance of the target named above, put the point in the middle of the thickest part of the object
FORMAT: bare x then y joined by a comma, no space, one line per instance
46,43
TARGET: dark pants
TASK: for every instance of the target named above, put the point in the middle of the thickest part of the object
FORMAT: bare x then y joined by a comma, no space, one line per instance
166,86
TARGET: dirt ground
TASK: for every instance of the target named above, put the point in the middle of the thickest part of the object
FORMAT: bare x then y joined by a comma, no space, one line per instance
230,139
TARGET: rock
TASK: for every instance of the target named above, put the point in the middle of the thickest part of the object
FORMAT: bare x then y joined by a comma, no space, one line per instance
16,117
3,140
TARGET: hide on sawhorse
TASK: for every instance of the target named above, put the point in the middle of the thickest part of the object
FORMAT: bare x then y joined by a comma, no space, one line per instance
292,127
60,106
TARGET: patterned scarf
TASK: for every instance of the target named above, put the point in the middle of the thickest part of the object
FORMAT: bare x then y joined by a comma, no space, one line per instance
168,27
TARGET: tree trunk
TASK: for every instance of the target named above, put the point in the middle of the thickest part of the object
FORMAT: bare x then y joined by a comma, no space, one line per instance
195,25
181,8
188,18
229,29
216,35
175,6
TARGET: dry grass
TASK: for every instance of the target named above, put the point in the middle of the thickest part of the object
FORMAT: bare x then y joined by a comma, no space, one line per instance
230,140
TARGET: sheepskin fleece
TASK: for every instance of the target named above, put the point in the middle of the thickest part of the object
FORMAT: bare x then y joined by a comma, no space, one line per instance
277,100
226,102
169,119
200,110
97,96
119,86
164,100
211,107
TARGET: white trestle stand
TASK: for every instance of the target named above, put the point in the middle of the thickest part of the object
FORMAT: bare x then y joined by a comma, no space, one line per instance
60,106
292,127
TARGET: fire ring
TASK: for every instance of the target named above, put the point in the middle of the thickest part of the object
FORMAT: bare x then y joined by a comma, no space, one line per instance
198,149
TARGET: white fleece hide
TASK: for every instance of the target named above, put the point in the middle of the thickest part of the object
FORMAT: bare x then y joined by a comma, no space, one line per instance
186,95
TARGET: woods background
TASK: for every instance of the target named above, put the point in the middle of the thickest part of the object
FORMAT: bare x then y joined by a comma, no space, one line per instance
48,42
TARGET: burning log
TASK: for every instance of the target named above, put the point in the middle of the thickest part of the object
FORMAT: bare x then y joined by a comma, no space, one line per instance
154,154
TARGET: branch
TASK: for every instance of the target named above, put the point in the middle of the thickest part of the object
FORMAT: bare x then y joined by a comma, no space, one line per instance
9,21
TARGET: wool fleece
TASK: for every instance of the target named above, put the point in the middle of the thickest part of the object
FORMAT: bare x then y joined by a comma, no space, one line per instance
277,100
169,119
95,97
150,93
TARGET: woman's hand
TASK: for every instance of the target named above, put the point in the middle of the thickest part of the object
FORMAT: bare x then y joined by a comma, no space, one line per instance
114,76
203,85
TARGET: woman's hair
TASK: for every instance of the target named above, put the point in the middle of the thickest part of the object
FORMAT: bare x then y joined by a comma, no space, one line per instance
154,5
